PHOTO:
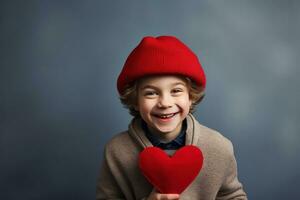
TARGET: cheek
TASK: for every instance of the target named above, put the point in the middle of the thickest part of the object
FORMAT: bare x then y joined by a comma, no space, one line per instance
185,102
145,106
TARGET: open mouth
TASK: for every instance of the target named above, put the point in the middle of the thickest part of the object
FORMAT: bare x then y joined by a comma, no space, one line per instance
165,116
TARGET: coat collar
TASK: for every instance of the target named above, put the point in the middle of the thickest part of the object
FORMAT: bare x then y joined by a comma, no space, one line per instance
136,131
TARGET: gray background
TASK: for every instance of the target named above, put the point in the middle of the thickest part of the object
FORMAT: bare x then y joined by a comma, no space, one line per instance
59,103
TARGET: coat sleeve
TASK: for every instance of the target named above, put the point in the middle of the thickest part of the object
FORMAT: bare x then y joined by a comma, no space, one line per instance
107,187
231,187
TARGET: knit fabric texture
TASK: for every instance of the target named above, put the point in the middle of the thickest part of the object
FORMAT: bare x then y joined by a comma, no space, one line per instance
163,55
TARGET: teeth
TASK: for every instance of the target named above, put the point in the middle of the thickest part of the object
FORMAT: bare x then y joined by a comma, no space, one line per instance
167,116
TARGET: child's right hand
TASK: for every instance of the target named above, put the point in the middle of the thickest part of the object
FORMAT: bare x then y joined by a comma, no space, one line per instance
158,196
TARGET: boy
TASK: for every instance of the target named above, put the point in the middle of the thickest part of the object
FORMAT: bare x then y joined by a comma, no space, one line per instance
161,82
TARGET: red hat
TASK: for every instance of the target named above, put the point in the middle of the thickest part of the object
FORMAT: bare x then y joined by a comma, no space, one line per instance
159,56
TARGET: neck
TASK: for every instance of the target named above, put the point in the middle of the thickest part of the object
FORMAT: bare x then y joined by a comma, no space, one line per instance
166,136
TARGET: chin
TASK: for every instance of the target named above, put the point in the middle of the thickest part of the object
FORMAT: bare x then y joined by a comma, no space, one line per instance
166,130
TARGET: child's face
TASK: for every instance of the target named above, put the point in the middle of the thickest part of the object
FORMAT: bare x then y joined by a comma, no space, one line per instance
163,103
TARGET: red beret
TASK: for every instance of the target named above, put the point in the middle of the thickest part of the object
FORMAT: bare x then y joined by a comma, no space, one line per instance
159,56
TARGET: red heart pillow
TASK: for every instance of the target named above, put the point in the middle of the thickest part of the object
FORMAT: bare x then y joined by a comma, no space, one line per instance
171,174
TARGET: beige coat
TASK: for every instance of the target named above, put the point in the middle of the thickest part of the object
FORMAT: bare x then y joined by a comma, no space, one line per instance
120,177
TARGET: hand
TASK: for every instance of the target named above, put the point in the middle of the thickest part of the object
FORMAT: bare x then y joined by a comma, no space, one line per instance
158,196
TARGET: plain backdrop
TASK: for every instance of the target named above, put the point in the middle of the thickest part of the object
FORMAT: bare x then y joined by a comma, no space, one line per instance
59,61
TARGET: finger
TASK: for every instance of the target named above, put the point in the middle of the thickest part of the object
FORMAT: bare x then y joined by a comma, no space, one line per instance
168,196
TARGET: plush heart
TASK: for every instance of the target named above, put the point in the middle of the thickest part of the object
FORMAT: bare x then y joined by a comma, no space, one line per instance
171,174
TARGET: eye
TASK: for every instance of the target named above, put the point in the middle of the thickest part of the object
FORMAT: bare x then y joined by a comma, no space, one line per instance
177,91
150,93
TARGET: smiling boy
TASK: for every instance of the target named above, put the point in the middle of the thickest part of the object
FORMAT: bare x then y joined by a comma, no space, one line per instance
163,103
161,82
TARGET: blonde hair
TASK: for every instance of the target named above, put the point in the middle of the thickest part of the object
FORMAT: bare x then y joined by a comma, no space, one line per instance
130,94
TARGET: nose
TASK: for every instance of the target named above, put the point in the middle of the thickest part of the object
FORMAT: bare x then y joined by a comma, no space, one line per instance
165,101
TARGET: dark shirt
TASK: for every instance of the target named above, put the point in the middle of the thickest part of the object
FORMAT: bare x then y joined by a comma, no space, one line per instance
177,143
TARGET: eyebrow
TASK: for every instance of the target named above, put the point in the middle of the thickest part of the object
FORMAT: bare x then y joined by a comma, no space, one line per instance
153,87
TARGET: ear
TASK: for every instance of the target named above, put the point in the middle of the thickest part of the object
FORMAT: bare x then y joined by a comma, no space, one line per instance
190,102
136,107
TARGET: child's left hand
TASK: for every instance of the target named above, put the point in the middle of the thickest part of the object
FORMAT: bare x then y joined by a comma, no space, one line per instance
154,195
